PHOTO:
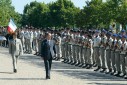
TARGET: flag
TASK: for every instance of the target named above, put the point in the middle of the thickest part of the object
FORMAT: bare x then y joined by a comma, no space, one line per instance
11,26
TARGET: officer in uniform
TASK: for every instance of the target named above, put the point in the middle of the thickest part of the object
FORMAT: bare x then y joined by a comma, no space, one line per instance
123,54
30,40
70,47
117,55
84,51
108,52
22,38
26,33
97,40
39,41
58,46
81,49
103,50
35,42
113,53
89,52
78,50
74,49
63,47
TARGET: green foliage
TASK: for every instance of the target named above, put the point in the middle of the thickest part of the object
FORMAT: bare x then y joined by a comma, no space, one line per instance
7,11
63,13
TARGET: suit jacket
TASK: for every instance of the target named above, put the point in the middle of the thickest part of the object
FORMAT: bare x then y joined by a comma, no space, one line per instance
48,51
15,47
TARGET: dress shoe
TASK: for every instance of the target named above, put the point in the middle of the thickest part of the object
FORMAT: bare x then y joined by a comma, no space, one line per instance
110,70
66,61
97,68
81,65
94,65
117,74
77,64
112,73
125,77
85,66
15,70
73,63
47,77
103,70
89,67
69,62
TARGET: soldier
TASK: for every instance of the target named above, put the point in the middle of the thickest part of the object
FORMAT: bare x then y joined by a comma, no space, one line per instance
74,49
81,42
84,51
22,38
89,52
35,42
103,50
26,33
58,46
117,55
70,47
63,46
39,41
113,53
30,40
108,52
123,54
78,50
96,44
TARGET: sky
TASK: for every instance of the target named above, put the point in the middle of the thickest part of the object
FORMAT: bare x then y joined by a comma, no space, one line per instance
19,4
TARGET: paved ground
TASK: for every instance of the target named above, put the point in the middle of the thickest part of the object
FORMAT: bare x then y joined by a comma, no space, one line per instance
31,72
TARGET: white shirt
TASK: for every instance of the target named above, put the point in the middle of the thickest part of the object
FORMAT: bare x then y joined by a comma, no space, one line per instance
96,41
104,40
124,48
109,42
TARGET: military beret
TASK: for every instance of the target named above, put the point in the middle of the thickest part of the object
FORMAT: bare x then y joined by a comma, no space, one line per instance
124,36
123,31
115,35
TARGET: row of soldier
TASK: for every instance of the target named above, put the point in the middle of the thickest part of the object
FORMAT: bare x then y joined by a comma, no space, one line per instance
104,50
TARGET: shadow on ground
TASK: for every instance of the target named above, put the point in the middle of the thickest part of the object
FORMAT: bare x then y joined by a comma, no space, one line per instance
67,70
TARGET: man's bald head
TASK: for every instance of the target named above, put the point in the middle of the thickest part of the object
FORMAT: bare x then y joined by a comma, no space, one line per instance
48,36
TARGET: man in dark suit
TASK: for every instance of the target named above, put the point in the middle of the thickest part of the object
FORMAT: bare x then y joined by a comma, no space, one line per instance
47,53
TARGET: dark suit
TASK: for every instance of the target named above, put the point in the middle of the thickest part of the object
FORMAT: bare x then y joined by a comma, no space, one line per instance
47,52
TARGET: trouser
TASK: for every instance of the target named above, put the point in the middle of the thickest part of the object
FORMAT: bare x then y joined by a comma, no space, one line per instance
89,56
70,52
14,61
113,60
97,56
22,41
74,53
84,53
108,58
30,46
58,51
66,51
103,57
63,50
35,45
117,61
78,53
26,44
39,46
48,64
122,62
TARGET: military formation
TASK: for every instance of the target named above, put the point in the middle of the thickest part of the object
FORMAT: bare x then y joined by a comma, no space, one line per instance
101,49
